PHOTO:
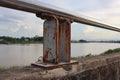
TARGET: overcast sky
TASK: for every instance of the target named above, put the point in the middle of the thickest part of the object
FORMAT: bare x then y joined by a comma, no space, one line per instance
17,23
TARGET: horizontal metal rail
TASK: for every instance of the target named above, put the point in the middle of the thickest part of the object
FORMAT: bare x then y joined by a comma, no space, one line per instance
35,6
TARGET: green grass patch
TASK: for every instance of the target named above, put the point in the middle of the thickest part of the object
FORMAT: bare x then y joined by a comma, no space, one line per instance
75,58
7,68
2,68
79,57
111,51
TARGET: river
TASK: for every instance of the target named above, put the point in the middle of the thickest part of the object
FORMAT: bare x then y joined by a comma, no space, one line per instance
22,55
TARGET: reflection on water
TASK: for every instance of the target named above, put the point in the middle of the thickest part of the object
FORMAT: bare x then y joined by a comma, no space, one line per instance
25,54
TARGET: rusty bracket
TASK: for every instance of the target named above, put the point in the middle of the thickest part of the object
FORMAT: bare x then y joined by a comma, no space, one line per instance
57,40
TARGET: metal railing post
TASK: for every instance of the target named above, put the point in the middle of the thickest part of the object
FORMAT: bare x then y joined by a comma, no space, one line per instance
57,41
57,32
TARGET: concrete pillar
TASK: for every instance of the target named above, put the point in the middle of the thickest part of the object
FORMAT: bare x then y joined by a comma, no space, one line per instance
57,32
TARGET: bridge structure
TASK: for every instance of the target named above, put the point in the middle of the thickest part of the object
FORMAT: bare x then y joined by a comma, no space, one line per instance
56,30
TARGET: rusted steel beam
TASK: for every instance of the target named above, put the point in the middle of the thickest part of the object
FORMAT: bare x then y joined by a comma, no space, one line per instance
57,33
65,40
51,36
35,6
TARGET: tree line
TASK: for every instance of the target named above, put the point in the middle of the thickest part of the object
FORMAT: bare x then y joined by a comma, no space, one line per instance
39,39
94,41
22,40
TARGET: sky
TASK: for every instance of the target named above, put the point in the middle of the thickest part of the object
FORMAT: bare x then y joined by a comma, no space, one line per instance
18,23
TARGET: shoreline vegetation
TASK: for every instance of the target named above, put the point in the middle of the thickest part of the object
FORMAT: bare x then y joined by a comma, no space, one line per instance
22,40
39,39
110,51
2,68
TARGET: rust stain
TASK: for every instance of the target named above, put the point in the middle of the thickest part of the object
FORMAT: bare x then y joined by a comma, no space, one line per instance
57,40
60,32
64,40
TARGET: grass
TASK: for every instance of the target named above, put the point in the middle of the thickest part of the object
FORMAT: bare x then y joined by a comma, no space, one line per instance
6,68
2,68
75,58
110,51
79,57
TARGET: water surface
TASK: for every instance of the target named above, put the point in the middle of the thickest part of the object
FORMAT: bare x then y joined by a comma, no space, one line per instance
21,55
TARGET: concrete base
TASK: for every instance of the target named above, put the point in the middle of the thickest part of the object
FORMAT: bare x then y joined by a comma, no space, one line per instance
49,66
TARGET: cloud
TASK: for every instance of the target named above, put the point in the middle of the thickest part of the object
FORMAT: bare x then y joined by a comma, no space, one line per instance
108,14
1,15
14,30
3,27
91,32
20,23
89,29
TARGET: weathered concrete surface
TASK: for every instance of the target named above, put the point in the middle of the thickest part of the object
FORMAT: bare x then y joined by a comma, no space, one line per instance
105,67
101,68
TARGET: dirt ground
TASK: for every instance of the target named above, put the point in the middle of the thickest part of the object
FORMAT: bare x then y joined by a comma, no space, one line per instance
22,72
